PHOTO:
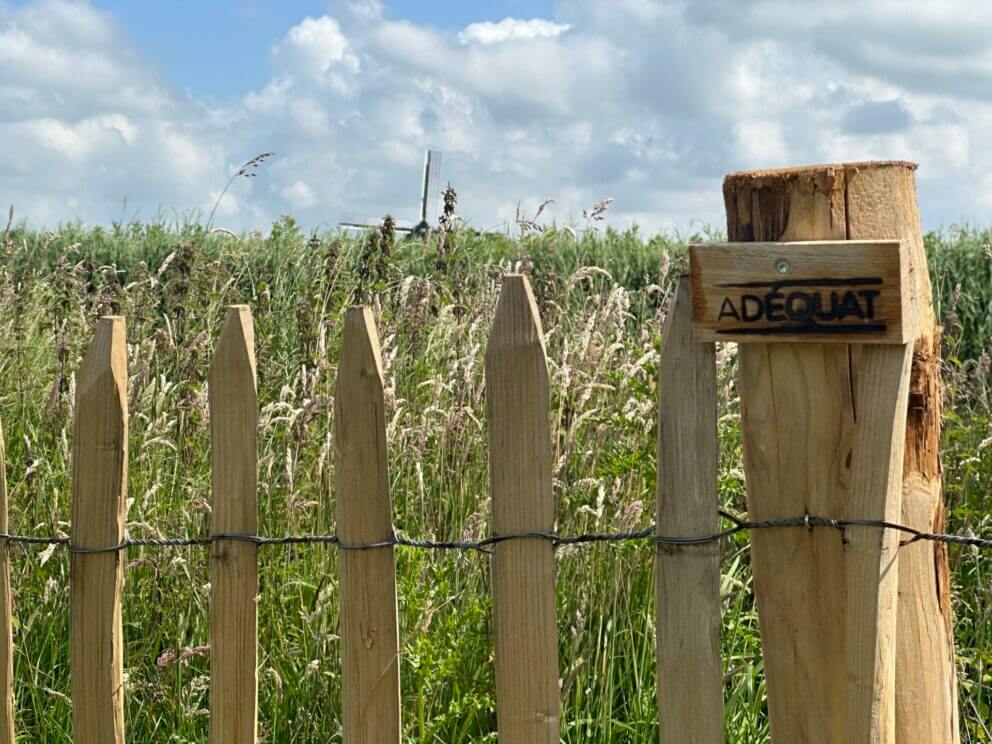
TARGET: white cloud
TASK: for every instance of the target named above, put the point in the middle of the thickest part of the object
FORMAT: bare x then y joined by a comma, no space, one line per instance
300,194
648,102
511,29
762,141
314,47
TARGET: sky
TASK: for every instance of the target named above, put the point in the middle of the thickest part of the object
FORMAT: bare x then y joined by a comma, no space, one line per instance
119,110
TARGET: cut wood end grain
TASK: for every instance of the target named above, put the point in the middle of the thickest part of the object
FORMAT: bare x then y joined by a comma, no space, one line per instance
801,171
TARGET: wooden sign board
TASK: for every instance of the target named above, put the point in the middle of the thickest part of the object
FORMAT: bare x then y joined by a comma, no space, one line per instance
823,291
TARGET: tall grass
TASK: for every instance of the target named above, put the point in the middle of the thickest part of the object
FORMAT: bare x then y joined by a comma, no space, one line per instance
602,298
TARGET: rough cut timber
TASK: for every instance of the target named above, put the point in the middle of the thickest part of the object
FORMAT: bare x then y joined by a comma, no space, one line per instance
99,510
6,618
687,595
234,565
370,656
847,291
861,202
525,632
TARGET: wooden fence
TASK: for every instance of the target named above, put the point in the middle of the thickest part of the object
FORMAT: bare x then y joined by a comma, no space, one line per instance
690,676
523,585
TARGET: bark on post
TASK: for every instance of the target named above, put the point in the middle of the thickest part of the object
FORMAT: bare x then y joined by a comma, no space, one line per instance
861,201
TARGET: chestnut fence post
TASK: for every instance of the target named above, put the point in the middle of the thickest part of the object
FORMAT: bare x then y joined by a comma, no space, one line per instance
813,415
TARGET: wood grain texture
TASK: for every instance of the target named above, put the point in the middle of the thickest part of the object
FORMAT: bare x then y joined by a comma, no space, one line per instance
370,665
234,565
687,600
879,392
526,638
848,291
6,615
824,429
99,488
881,203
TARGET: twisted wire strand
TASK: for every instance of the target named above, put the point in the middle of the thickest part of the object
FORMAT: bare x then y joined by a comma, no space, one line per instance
740,524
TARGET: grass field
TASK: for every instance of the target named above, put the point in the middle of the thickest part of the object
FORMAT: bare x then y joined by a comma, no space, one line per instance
602,298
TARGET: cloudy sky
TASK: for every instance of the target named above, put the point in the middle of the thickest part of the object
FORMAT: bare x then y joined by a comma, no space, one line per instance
115,109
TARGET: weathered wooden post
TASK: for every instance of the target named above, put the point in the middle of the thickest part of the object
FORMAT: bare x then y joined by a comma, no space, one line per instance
234,565
6,616
523,584
687,594
370,650
99,511
824,414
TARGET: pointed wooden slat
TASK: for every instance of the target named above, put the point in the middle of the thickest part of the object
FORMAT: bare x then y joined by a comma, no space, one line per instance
370,684
234,565
99,487
517,398
6,618
690,675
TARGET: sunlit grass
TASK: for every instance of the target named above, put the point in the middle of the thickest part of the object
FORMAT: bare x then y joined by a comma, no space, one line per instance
603,327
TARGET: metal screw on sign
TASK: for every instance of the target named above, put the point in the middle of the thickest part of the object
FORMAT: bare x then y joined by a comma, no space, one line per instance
782,267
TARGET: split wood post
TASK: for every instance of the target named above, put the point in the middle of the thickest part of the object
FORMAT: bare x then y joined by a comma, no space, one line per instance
881,203
824,431
234,564
518,406
99,488
6,615
687,599
370,664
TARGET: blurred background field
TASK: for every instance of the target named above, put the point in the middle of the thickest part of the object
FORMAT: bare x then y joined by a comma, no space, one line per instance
602,297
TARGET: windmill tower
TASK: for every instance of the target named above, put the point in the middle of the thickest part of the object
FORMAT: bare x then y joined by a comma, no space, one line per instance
428,201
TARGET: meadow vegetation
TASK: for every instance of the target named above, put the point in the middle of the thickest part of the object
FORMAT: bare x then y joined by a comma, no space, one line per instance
602,296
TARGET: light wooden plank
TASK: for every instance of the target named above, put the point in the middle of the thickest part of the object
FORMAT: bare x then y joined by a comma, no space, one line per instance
881,203
370,665
880,390
6,615
847,291
823,428
517,399
234,565
99,488
687,602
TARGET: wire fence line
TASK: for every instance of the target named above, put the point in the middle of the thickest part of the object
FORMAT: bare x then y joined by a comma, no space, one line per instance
740,524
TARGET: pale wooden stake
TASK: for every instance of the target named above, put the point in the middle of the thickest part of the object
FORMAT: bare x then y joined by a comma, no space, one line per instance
824,428
517,400
99,488
234,565
881,203
6,617
687,600
370,665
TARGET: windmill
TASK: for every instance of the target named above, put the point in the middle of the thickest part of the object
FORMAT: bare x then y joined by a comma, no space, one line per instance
428,201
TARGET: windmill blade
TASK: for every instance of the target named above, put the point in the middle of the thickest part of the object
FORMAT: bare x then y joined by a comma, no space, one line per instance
351,221
433,184
356,222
